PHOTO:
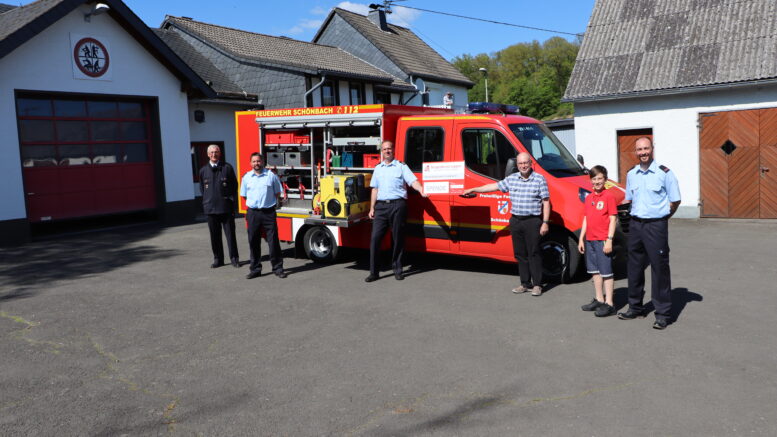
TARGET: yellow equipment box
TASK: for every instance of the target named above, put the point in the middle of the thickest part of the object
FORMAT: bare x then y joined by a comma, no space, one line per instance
345,195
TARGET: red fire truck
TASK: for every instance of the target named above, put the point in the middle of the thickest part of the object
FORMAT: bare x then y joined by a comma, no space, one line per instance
324,157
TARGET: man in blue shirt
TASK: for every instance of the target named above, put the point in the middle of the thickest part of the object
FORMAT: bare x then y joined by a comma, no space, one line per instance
261,190
530,209
388,208
654,195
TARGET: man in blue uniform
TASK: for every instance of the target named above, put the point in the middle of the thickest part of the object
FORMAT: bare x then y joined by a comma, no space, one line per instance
655,196
218,185
388,208
261,189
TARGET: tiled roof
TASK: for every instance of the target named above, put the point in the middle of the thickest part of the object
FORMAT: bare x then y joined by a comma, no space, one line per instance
4,7
411,54
13,19
281,51
202,66
634,47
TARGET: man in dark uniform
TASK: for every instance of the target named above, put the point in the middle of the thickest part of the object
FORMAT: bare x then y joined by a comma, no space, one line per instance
388,208
218,185
655,196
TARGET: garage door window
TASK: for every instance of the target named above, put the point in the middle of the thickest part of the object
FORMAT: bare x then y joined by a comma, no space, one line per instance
82,132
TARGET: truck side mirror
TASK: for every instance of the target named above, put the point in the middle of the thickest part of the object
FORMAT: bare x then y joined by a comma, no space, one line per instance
580,159
510,167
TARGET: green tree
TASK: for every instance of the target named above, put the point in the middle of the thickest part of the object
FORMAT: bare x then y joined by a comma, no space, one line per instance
531,75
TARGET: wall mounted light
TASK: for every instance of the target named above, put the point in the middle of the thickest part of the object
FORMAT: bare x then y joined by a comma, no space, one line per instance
199,116
97,9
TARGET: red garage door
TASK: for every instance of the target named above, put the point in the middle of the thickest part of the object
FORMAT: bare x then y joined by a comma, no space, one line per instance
84,157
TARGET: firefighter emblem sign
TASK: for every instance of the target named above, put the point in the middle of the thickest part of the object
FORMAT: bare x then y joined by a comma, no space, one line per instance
91,57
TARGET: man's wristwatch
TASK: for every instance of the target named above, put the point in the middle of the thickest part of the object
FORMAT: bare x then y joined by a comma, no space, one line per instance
609,238
547,222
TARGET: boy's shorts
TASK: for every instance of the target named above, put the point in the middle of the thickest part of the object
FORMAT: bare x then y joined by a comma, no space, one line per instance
596,261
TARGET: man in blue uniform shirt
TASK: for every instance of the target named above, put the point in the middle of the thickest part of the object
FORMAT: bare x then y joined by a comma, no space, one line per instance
218,185
388,208
261,189
655,196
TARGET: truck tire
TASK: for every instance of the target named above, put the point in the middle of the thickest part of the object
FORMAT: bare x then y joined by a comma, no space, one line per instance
560,258
320,245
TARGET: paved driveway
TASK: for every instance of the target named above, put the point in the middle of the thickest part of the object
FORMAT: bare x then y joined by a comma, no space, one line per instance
130,333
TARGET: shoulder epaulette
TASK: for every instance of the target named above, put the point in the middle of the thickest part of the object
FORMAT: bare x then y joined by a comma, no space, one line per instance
664,168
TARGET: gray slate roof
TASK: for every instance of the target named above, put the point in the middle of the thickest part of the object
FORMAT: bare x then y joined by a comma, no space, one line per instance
202,66
409,52
640,47
266,49
4,7
13,18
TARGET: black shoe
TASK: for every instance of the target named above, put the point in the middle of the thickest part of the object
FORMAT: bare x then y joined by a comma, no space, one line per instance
254,274
281,274
370,278
592,306
236,263
660,324
216,264
604,310
399,276
631,315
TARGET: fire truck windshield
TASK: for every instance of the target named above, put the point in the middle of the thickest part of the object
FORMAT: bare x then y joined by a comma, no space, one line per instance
550,154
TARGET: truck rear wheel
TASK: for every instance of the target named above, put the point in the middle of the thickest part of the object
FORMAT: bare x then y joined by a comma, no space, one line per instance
560,258
320,245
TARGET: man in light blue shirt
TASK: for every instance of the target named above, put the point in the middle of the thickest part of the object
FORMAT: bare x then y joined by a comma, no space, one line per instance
389,209
654,195
261,190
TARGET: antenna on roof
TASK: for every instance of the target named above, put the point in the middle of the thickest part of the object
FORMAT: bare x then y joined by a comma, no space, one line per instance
385,6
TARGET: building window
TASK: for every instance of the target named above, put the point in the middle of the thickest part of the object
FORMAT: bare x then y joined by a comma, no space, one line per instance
424,144
486,152
356,93
329,93
382,98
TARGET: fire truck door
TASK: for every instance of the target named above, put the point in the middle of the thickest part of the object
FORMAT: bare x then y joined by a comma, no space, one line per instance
428,219
481,223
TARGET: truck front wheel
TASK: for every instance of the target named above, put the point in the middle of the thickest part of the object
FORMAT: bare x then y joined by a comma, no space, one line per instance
320,245
560,258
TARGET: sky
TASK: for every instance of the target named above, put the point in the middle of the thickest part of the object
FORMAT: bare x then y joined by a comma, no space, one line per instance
450,36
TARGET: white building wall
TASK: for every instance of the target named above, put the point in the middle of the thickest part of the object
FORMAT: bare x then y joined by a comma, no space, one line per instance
437,91
219,125
674,120
44,64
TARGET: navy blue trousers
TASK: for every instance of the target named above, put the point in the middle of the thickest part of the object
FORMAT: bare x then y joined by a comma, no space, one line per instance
649,245
388,215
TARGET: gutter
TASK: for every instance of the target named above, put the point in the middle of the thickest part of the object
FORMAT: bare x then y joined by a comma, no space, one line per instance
415,93
315,87
670,91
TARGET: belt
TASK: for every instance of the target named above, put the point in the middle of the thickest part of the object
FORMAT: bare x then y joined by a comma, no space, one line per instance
272,208
524,217
391,201
647,220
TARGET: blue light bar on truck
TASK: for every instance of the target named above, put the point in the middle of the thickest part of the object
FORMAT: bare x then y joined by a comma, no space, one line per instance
492,108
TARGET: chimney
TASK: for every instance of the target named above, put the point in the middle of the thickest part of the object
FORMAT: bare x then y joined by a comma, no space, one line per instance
378,18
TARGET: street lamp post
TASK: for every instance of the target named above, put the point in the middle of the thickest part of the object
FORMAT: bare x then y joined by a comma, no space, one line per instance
485,75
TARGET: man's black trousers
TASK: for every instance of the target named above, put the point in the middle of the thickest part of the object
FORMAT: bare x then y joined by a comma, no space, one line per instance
215,224
649,244
525,231
258,220
388,215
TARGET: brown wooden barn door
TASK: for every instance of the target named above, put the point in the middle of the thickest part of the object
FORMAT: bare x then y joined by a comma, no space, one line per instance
743,175
713,164
768,163
627,157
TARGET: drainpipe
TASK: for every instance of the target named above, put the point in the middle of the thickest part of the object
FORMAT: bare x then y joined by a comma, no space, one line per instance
315,87
415,93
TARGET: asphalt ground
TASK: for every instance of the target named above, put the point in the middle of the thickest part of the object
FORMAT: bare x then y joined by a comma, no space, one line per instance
129,332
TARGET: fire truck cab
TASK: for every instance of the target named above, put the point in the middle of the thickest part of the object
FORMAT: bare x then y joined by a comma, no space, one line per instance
328,189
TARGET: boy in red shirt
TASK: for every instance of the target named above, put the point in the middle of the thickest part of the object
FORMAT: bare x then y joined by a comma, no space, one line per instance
596,242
